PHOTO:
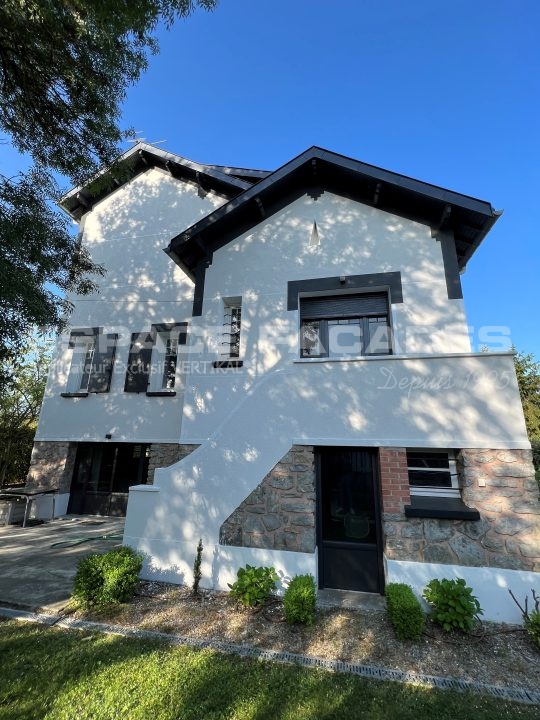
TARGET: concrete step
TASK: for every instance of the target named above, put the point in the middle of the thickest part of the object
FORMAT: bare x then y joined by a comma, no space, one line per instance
350,599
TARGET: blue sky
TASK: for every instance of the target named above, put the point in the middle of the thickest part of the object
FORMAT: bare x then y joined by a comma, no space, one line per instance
446,92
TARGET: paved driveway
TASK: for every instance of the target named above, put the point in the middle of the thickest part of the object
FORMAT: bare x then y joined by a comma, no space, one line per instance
36,572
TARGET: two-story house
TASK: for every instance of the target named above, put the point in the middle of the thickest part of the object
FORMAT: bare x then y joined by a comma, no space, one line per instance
291,380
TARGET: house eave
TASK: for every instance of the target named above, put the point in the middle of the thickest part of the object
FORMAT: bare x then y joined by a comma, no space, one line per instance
139,159
317,169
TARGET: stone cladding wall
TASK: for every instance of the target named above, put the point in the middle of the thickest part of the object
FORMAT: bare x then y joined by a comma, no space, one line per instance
280,513
52,463
501,485
51,466
165,455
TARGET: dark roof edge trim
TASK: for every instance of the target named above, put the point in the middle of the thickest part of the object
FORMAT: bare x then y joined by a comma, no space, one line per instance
487,227
448,196
243,172
160,156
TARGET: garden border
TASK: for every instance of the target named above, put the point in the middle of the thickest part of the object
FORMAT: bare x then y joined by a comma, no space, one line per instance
372,672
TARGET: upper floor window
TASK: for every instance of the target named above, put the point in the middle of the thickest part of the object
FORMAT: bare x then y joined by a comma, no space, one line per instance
340,326
232,324
81,360
432,472
152,359
229,343
164,355
92,361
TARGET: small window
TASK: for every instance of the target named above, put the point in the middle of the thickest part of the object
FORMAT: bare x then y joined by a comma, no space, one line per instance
432,472
232,325
344,326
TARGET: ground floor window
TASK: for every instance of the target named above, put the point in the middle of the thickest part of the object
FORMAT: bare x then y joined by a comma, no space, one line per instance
432,472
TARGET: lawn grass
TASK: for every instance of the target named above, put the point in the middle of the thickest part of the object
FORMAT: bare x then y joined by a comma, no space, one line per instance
58,674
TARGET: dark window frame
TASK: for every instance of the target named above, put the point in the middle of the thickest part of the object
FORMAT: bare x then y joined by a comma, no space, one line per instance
424,460
231,336
362,318
100,354
142,359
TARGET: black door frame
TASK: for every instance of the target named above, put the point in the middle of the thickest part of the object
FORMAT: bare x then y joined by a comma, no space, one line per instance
374,452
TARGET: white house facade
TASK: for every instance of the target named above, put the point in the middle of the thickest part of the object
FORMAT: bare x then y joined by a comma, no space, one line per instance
291,381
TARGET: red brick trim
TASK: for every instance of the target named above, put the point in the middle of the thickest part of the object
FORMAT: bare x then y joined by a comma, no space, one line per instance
394,479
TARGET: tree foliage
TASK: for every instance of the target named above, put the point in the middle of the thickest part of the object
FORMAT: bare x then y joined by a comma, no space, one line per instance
20,400
528,377
39,260
65,66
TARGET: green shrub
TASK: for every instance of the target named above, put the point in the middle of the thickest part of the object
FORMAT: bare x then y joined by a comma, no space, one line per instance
254,585
532,626
453,606
404,611
299,600
107,579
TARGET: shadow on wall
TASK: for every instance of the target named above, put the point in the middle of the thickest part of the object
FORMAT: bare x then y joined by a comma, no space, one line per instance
200,492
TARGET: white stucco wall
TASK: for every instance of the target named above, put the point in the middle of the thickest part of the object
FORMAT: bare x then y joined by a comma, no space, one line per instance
169,555
247,419
354,240
490,585
126,233
318,403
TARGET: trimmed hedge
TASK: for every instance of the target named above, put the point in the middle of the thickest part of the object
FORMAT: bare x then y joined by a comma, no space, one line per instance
299,600
404,611
107,579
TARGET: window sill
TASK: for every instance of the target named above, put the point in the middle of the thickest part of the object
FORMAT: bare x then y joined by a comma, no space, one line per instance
357,358
441,508
224,364
402,356
74,394
160,393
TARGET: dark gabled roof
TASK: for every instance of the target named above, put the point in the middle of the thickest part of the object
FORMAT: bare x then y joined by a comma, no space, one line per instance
224,181
247,174
317,169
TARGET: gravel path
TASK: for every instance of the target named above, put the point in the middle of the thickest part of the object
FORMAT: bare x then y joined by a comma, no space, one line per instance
498,655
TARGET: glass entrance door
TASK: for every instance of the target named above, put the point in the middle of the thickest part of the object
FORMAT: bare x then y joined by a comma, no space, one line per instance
350,555
102,477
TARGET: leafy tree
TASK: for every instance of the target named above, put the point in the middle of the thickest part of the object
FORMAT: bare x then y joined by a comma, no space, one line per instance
528,377
20,401
39,258
64,69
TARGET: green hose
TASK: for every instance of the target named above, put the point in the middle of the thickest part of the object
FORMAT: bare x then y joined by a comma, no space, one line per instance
85,539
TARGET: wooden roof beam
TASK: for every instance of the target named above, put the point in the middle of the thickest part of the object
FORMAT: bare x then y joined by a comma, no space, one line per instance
260,205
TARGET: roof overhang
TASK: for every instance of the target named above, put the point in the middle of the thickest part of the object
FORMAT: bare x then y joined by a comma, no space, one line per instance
317,169
224,181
